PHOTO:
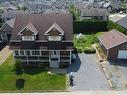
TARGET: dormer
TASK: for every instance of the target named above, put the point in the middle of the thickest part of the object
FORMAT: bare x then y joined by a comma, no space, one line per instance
28,33
54,33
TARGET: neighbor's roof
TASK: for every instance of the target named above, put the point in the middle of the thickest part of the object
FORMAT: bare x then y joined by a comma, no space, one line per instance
94,12
123,22
12,14
42,22
8,26
112,38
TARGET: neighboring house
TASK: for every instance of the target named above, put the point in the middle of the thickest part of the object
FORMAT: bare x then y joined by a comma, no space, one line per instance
11,14
94,14
123,22
43,38
115,18
6,30
38,7
114,45
59,5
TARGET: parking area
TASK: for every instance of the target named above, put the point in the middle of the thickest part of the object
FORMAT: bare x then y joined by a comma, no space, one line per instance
87,74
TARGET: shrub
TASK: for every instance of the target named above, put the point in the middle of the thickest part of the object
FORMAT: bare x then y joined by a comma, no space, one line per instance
112,25
89,50
89,26
18,67
81,40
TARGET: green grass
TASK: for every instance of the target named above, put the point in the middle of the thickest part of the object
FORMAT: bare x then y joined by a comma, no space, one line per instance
86,41
32,82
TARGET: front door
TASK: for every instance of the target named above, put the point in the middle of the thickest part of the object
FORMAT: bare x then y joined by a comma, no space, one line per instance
54,59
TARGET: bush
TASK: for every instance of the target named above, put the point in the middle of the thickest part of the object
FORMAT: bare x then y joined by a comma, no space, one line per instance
18,67
89,50
112,25
81,40
89,26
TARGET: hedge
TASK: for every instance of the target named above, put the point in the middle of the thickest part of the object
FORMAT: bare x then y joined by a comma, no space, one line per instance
112,25
89,26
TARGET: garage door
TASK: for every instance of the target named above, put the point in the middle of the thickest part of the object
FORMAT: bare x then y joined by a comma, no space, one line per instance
122,54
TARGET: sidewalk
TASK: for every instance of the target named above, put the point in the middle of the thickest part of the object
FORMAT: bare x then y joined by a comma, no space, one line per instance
74,93
4,54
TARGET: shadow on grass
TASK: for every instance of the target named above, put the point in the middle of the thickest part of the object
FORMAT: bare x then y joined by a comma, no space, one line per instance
20,83
32,70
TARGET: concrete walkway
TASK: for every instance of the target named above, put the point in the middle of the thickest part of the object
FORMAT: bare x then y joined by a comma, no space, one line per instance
73,93
4,54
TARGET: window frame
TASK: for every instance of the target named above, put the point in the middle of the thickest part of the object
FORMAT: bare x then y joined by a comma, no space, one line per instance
28,38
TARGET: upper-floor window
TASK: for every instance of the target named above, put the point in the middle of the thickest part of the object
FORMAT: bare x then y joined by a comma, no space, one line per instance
54,38
35,52
28,38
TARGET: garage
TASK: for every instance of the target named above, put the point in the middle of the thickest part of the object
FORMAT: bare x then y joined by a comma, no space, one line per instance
122,54
114,45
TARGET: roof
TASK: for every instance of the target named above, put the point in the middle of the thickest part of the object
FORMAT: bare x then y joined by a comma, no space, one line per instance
42,22
12,14
31,27
123,22
94,12
112,38
8,26
11,22
115,18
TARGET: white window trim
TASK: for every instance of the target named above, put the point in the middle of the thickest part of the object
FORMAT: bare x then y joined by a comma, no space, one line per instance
54,38
28,38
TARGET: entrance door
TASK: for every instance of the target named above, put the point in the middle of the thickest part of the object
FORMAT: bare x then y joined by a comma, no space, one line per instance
54,59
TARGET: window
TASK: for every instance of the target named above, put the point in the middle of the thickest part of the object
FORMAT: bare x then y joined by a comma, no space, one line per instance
124,46
28,52
28,38
16,52
22,52
35,53
54,38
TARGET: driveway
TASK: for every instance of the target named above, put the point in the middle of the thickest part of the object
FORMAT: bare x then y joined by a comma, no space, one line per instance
87,74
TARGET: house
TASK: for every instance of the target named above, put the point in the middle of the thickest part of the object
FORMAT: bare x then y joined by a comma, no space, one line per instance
38,7
94,14
6,30
11,14
114,45
123,22
43,38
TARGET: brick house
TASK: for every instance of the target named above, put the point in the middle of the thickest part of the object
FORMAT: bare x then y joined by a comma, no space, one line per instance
114,45
43,38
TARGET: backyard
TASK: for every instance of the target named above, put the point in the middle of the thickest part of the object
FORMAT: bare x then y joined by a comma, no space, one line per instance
85,41
32,79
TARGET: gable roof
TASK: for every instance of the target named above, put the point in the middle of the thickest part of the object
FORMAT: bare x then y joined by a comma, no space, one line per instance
112,38
11,22
31,27
123,22
56,26
42,22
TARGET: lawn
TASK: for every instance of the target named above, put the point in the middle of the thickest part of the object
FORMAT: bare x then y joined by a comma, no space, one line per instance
86,40
33,79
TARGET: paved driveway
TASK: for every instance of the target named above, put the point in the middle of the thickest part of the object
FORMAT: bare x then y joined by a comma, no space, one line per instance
87,74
